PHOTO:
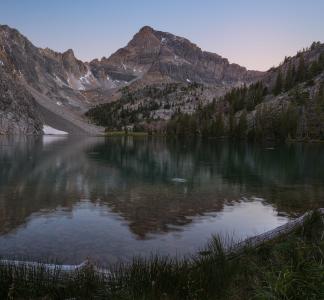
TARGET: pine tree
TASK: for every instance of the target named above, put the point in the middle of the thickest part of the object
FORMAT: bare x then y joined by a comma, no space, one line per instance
279,84
289,78
314,69
321,61
300,96
217,126
301,71
320,97
241,126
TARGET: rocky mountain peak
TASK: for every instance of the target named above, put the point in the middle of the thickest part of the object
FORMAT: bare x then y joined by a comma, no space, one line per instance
155,56
146,29
69,54
145,39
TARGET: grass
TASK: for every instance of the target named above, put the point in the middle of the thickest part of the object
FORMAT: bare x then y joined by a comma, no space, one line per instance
290,267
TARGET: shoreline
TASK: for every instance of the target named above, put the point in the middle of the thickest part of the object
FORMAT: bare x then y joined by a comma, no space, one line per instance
289,265
233,251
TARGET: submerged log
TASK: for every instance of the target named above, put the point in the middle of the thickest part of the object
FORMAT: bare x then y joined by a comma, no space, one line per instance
236,250
258,240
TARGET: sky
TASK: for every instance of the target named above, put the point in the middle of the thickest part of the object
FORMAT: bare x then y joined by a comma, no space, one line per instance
257,34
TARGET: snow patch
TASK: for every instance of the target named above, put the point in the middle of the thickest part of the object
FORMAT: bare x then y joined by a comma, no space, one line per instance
80,86
59,103
87,77
163,40
48,130
113,84
124,67
74,83
188,80
1,63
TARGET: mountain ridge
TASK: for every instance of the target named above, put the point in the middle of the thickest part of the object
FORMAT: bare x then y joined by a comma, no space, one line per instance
155,76
156,56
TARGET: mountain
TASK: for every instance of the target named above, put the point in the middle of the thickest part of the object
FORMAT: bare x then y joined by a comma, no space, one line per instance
155,78
63,88
164,74
155,56
287,103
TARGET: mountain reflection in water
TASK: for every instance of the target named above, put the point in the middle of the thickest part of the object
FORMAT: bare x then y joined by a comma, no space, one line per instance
110,199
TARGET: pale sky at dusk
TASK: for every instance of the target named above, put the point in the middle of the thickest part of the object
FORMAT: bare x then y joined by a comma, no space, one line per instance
255,34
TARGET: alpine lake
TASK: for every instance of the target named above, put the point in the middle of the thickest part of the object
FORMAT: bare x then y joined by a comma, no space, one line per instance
110,199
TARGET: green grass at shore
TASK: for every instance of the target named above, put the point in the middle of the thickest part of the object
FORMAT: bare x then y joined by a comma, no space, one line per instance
290,267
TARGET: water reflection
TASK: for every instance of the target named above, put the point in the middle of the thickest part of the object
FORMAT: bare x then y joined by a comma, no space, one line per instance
110,199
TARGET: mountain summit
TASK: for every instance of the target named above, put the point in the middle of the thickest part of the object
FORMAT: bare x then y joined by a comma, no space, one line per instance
154,56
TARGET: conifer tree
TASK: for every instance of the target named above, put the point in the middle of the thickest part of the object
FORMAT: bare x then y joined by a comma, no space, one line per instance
279,84
289,78
241,126
301,71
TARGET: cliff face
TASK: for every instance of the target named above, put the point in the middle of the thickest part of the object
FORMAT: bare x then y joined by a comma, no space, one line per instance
18,110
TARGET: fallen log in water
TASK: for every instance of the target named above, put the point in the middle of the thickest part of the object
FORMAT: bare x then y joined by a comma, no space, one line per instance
47,267
258,240
54,268
234,251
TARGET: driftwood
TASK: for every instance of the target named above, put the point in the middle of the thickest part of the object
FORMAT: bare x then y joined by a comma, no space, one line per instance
234,251
54,268
48,267
258,240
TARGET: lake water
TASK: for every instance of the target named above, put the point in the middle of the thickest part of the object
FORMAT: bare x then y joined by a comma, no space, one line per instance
110,199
